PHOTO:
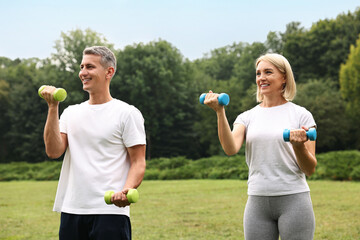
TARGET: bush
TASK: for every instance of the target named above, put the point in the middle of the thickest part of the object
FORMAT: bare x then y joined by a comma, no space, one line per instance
355,174
49,170
216,167
339,165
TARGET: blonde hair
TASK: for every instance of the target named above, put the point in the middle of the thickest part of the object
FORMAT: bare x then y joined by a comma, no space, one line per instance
283,65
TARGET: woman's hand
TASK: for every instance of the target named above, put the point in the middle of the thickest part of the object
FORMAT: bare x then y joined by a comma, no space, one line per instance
211,99
298,136
304,150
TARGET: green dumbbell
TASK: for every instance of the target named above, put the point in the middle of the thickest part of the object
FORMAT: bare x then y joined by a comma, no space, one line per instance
132,196
59,93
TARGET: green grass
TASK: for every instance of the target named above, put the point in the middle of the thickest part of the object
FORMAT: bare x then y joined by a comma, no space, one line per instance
26,210
185,209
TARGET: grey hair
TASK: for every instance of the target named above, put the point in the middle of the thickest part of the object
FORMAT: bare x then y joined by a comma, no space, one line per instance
108,58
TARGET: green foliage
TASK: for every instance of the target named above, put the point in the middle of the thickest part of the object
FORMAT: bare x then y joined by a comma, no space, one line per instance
317,53
65,63
274,42
323,100
20,171
244,70
355,173
70,46
4,120
220,63
25,113
339,165
4,91
350,78
206,168
239,85
161,87
350,88
157,79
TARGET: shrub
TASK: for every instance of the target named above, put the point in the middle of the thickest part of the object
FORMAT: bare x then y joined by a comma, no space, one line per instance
339,165
355,174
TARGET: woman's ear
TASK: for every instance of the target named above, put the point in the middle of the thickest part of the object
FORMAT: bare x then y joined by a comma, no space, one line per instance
284,82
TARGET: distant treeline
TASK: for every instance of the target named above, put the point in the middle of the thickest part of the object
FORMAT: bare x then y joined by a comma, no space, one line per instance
338,165
156,78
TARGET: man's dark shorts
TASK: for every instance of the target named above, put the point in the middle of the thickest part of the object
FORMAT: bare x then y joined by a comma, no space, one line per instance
81,227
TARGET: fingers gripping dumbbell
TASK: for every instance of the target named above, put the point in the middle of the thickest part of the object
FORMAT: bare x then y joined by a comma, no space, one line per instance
223,99
132,196
311,134
59,93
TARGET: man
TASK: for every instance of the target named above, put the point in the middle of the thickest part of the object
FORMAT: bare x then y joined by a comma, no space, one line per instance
105,143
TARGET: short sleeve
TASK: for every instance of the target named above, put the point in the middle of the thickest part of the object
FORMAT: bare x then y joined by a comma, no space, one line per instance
243,118
63,121
306,118
134,129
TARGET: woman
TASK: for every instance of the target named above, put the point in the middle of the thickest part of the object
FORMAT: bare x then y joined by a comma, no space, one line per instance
279,202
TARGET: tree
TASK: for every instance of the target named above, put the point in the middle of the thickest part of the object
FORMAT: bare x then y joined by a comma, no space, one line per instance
213,72
244,70
220,63
274,43
324,101
350,87
298,52
154,78
26,112
24,135
4,120
239,85
318,52
66,61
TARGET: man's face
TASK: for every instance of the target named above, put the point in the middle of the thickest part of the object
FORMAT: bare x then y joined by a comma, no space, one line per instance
92,74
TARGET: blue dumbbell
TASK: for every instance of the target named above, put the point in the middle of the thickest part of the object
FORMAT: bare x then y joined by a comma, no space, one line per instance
311,134
223,99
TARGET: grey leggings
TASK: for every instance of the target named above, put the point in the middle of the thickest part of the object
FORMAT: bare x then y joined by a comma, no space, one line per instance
290,216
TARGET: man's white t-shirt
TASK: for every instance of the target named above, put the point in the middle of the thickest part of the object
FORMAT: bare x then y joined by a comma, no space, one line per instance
96,159
273,169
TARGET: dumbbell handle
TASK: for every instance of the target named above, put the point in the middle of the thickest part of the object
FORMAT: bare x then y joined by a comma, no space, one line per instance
58,95
311,134
132,196
223,99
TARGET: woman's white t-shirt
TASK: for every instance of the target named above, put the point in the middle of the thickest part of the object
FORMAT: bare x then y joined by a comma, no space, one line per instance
273,169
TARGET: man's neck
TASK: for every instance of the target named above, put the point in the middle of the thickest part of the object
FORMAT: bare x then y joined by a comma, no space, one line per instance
99,98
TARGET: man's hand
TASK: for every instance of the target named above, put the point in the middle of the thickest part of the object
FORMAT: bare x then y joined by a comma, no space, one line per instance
47,94
119,199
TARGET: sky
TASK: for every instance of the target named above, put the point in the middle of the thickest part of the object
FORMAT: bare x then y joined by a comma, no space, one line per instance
29,28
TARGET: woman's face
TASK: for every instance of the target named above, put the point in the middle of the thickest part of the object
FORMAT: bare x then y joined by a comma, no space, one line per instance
269,80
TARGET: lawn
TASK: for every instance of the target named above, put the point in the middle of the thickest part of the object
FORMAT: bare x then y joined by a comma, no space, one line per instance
186,209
